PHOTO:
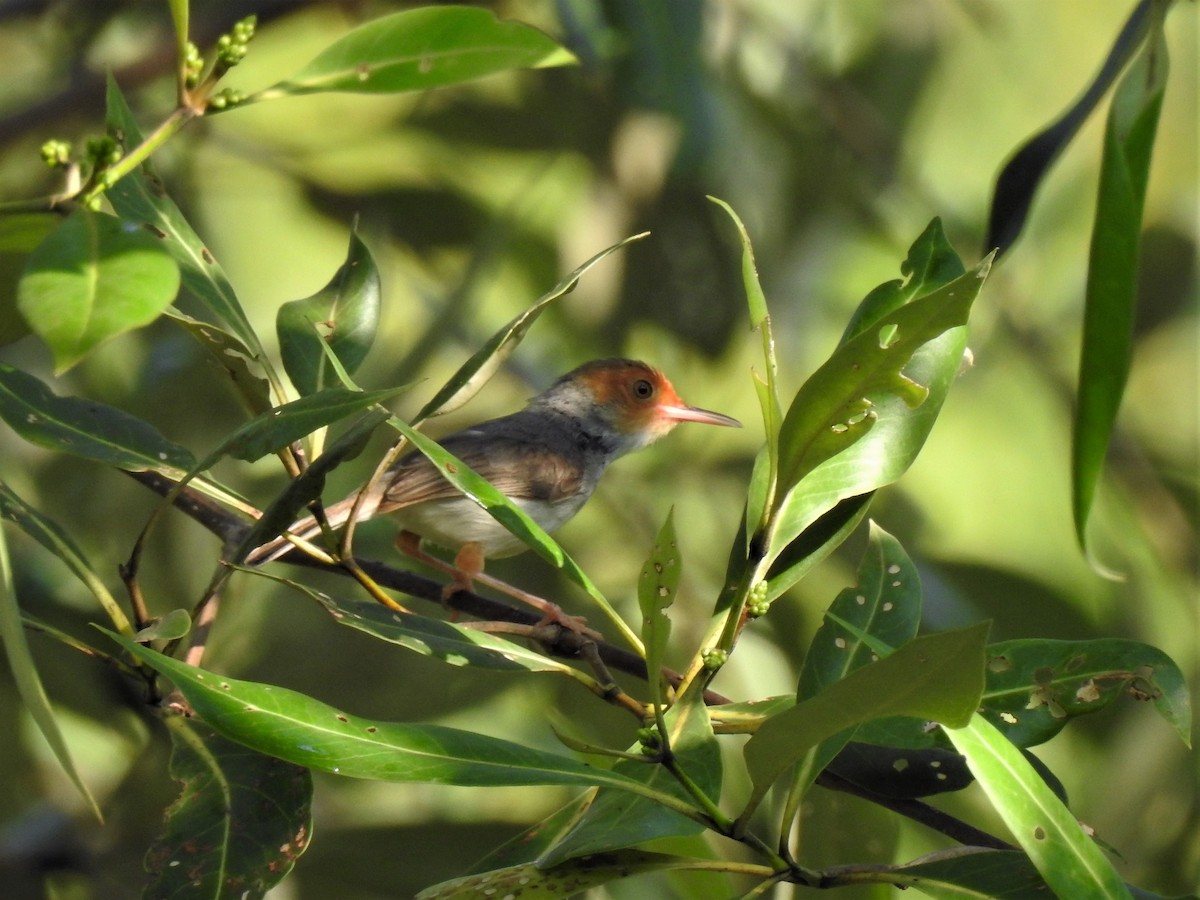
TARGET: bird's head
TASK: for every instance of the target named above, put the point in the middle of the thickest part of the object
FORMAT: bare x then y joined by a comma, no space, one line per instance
632,401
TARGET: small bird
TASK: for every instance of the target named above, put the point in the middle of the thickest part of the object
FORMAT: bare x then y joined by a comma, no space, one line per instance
547,459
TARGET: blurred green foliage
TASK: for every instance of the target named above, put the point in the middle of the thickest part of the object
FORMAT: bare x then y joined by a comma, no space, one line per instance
837,130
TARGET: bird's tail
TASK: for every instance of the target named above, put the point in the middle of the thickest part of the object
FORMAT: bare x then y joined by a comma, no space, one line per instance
307,529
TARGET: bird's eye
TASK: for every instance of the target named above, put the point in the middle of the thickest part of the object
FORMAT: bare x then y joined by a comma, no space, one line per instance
643,389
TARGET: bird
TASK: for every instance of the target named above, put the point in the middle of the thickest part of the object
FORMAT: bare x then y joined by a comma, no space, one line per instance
547,458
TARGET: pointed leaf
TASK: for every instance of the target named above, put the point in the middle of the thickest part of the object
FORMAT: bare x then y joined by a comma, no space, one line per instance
938,677
273,430
616,819
1034,687
232,357
343,316
140,197
424,48
569,879
29,683
1068,859
486,361
444,641
657,586
241,821
47,533
294,727
1107,346
19,236
92,278
86,428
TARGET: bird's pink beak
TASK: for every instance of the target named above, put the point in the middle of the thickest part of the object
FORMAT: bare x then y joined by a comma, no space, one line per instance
682,413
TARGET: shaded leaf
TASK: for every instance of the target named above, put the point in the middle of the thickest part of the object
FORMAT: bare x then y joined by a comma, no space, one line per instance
47,533
273,430
231,357
533,882
616,819
444,641
419,49
239,825
1107,346
170,627
93,278
1021,176
938,677
1072,864
294,727
29,683
343,316
86,428
971,873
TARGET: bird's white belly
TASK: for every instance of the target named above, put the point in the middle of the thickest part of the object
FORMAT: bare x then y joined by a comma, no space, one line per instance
456,521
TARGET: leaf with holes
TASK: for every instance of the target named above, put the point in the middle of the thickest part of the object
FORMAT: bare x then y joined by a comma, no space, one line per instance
240,823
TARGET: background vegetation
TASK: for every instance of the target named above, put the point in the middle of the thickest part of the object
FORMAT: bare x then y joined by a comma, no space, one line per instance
837,130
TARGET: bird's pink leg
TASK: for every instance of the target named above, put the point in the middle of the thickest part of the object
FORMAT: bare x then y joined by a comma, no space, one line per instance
468,568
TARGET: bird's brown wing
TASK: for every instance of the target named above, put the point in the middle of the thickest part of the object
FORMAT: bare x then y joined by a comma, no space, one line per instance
517,468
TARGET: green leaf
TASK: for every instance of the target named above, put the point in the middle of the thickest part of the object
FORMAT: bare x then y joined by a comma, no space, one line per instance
47,533
1070,861
657,586
275,429
92,278
569,879
938,677
437,639
140,197
241,821
29,683
1034,687
853,427
486,361
970,873
171,627
343,316
616,819
863,624
299,729
232,357
86,428
19,236
1113,266
419,49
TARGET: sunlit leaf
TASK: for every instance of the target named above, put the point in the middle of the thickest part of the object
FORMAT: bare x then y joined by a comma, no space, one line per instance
343,315
92,278
297,728
423,48
657,586
19,236
1067,858
938,677
240,823
1107,346
86,428
172,626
